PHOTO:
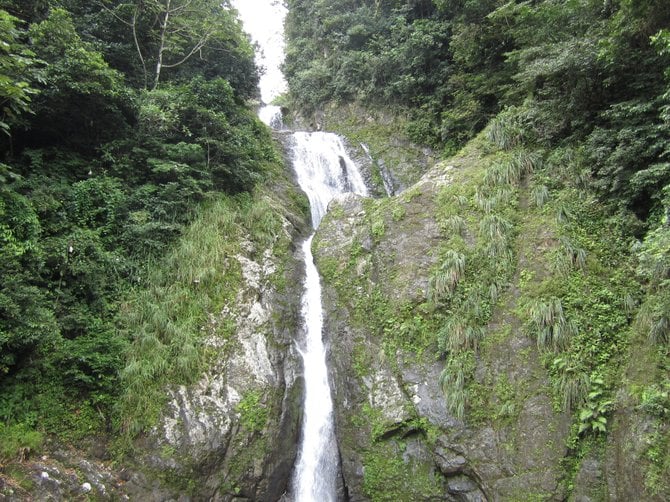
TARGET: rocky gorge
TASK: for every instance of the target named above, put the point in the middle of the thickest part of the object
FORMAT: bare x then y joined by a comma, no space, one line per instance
480,321
234,434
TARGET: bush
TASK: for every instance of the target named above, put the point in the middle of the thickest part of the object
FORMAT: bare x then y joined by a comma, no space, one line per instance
18,442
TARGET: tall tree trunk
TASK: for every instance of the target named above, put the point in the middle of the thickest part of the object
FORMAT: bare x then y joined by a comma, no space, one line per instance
161,45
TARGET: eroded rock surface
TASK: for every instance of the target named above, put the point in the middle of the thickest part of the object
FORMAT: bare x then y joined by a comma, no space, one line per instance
377,258
235,431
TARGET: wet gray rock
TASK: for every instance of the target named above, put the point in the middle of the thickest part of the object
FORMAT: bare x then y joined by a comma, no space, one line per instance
465,487
449,461
400,393
202,436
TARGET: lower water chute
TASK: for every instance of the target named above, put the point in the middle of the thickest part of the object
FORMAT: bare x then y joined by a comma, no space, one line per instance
324,170
316,469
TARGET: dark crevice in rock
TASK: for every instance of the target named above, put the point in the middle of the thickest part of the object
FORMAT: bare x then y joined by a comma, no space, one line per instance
342,488
462,480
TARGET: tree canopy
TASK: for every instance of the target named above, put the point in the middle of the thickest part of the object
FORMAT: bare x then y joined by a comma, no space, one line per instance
118,118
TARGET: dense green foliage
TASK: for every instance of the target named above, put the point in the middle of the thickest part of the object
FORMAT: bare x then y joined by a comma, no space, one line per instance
104,159
584,72
587,80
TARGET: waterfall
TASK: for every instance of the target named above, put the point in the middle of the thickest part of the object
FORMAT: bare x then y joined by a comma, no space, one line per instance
271,115
323,170
387,178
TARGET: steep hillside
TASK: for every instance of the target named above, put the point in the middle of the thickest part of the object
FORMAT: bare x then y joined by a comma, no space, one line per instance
482,337
500,328
148,284
211,396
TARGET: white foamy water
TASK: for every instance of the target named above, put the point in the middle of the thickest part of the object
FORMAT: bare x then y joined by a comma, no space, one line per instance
323,170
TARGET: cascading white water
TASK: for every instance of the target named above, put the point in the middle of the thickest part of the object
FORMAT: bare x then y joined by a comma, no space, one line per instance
272,116
323,170
316,469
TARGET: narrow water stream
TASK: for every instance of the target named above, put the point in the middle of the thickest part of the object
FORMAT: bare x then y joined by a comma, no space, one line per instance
323,170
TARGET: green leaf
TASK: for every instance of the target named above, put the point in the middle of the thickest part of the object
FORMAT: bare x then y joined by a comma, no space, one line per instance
585,414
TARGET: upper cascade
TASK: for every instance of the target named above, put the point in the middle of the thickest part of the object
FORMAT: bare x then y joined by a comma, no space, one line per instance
324,170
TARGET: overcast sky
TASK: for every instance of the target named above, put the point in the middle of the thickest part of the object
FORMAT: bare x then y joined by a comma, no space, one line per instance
264,21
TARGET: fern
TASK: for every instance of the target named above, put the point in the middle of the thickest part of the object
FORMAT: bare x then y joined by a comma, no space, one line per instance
527,162
457,335
503,173
503,195
629,304
494,227
659,331
563,213
575,256
484,203
472,306
494,292
461,200
505,131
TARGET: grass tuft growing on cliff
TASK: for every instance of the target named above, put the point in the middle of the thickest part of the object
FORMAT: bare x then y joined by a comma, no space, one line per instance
445,280
548,324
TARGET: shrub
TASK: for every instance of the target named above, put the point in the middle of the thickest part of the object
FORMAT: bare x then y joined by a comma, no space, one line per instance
18,441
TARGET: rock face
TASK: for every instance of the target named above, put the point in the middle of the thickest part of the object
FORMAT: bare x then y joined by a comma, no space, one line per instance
398,440
391,405
234,433
64,475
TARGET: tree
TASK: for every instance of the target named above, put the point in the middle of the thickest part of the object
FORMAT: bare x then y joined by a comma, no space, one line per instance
169,33
26,321
85,101
18,73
